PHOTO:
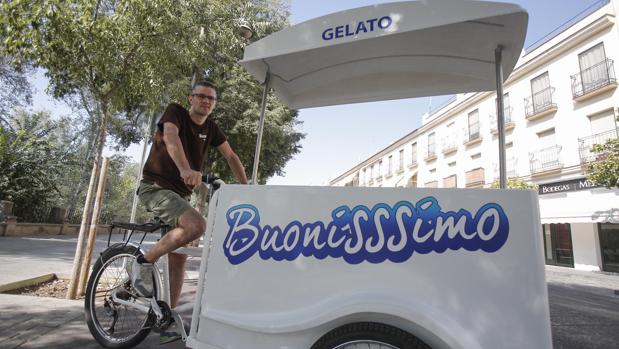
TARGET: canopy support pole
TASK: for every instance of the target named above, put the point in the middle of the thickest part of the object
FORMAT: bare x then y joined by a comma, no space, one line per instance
500,115
254,173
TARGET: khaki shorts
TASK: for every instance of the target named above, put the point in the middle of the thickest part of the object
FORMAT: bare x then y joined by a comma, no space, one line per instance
163,203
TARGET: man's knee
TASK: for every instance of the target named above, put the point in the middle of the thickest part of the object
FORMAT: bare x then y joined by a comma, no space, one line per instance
192,223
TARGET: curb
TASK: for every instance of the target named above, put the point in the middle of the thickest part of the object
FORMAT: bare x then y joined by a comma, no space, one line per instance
27,282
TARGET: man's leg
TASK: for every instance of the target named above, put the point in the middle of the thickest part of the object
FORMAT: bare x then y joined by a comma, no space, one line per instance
191,226
176,265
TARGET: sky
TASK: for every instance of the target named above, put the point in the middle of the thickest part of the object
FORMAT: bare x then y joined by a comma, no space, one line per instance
339,137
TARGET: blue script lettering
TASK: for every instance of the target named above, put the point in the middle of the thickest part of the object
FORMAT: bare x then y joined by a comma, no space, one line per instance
363,234
368,25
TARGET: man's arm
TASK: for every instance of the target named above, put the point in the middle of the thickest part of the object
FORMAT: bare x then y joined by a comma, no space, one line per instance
233,161
175,149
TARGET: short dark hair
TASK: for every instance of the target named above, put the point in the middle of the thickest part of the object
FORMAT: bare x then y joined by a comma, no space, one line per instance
204,83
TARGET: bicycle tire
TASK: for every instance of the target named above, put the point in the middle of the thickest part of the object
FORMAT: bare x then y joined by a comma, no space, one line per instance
111,265
372,334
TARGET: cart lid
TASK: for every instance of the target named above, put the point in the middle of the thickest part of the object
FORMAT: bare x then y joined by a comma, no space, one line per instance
390,51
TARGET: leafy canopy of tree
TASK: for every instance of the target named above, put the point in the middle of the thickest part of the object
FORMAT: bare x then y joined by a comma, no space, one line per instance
605,171
34,158
129,56
515,183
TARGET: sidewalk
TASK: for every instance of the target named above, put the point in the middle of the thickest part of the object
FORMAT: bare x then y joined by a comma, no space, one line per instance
37,322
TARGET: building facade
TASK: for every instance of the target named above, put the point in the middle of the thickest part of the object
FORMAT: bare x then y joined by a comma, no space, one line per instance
559,101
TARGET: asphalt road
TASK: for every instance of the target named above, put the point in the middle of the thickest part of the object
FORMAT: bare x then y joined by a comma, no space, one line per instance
583,316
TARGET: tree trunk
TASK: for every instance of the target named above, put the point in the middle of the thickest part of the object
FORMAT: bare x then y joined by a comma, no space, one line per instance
86,215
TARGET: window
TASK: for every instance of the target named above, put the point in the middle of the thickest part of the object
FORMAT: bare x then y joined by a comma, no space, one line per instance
547,138
602,122
541,92
401,160
452,164
414,153
593,67
390,165
476,156
473,125
412,182
433,184
450,182
380,169
431,144
433,170
506,111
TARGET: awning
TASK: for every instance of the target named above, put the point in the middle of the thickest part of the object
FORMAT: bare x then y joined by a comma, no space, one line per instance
598,205
390,51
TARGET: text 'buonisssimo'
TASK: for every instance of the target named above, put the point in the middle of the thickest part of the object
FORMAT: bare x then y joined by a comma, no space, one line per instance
361,233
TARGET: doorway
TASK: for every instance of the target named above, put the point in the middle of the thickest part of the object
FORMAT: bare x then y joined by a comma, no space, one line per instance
558,245
609,243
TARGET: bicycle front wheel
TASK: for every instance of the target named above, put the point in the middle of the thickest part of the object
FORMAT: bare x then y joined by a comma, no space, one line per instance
112,324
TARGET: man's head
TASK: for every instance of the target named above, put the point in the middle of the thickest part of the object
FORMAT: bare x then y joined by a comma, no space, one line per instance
203,98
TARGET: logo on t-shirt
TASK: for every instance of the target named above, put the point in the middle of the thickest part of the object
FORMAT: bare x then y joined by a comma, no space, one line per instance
202,137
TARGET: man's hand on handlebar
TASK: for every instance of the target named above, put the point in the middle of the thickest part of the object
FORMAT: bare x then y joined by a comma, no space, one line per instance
191,177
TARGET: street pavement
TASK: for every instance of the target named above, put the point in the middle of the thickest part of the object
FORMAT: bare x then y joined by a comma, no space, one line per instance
584,306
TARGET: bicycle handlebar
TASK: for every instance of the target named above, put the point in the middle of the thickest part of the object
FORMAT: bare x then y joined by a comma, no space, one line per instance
214,181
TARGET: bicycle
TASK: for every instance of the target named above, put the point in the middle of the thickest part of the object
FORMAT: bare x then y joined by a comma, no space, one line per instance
116,316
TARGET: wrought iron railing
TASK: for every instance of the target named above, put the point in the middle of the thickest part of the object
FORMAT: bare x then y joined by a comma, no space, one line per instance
449,143
593,78
472,133
586,143
545,159
539,102
507,114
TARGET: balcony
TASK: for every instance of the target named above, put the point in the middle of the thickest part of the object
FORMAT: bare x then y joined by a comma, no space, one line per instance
413,164
509,122
585,144
540,104
472,136
400,169
475,178
370,182
545,160
449,144
510,168
594,80
431,156
379,179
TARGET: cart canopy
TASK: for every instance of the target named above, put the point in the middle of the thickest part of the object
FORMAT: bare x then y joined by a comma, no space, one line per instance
390,51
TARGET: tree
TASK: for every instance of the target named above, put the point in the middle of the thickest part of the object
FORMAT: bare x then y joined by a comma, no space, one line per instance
33,161
515,183
605,171
14,87
129,54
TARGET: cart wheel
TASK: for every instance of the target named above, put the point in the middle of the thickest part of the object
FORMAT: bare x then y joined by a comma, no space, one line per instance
369,335
114,325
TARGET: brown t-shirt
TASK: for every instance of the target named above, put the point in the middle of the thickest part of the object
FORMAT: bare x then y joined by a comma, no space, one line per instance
196,141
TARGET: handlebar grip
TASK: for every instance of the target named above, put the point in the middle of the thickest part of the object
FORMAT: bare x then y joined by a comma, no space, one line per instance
215,181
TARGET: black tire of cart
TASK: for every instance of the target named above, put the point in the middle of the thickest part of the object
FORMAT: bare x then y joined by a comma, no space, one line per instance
370,332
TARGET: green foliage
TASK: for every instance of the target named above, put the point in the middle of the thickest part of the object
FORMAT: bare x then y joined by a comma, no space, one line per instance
33,161
123,59
515,183
605,171
119,190
14,88
238,113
